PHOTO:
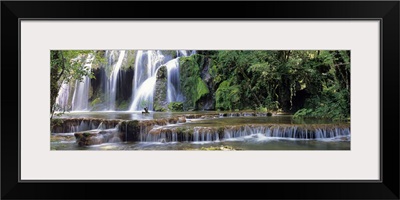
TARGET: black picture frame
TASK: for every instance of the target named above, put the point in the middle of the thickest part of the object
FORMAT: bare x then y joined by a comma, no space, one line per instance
385,11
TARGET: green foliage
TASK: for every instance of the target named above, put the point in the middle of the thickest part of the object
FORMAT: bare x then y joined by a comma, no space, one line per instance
227,96
262,109
271,105
95,102
331,104
272,80
193,87
69,65
308,83
201,89
175,106
304,112
159,108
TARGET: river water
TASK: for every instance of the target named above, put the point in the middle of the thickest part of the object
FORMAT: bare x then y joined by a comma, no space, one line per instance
254,141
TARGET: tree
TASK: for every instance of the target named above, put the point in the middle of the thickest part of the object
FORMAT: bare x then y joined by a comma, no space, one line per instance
291,80
67,65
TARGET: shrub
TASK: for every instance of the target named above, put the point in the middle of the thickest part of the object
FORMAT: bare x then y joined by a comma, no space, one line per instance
175,106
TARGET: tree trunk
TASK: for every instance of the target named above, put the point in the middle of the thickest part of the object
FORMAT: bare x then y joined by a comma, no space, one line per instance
55,77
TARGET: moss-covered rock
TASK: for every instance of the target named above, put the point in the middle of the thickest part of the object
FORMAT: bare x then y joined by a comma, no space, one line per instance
193,87
160,103
159,108
131,128
94,137
207,101
175,106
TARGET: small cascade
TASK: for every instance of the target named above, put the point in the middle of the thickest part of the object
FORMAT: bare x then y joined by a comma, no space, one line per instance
113,80
101,126
213,134
73,129
71,125
62,98
82,126
80,100
201,134
116,135
159,135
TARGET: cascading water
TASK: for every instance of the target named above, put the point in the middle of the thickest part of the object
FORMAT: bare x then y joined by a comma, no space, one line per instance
145,94
210,134
110,56
62,98
173,84
146,65
80,100
113,80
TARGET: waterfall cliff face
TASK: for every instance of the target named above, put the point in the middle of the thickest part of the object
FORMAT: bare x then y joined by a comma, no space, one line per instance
108,90
80,100
146,66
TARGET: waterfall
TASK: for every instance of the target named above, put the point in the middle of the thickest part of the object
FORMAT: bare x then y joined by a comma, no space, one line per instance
146,65
113,80
80,100
110,56
144,95
62,98
173,81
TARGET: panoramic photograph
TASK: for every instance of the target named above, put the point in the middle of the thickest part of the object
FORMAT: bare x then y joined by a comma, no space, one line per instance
199,100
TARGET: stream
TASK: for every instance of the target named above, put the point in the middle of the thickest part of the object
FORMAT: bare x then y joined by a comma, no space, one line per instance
240,132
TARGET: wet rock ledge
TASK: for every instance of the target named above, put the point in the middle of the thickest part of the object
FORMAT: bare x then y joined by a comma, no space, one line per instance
92,131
